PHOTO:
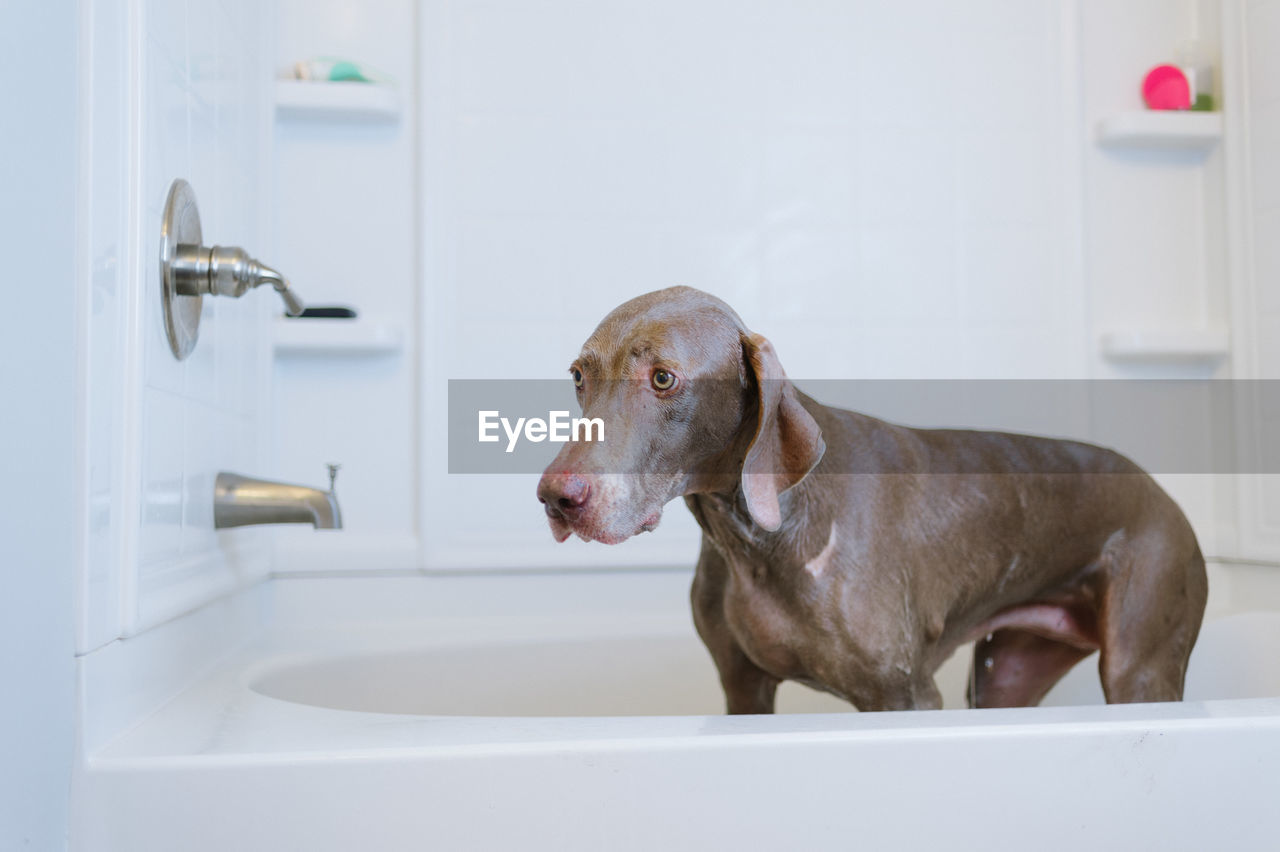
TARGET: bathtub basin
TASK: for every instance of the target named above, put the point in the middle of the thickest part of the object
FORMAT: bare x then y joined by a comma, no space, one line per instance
660,674
581,712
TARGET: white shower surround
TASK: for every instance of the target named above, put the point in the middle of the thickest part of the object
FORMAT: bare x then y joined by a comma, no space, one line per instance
220,766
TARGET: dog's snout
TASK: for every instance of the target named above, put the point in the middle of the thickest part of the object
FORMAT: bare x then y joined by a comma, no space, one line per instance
564,494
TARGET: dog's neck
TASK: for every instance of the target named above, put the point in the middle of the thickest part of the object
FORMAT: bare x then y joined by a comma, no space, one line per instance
726,521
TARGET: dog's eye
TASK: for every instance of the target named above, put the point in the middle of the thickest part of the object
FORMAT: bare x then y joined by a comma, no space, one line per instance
663,380
577,377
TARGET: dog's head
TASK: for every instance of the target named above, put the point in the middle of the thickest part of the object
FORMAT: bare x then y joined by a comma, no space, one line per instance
691,402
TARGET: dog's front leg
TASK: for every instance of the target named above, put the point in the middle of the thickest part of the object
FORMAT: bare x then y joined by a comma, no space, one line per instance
747,687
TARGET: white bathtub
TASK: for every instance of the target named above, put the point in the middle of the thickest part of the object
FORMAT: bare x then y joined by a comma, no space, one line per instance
579,711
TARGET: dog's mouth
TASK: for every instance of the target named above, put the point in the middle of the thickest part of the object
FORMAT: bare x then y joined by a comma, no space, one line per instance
592,529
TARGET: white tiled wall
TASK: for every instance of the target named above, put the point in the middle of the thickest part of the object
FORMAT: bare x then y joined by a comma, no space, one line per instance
883,192
885,172
1259,495
1152,249
106,158
1151,219
884,189
177,89
346,229
1262,50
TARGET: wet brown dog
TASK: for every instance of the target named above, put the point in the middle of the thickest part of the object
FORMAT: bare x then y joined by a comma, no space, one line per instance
855,555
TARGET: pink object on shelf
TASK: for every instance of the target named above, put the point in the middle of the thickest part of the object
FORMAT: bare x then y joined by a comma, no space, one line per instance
1166,87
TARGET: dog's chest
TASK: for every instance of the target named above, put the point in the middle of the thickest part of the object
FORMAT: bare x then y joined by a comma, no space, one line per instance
823,627
764,625
783,600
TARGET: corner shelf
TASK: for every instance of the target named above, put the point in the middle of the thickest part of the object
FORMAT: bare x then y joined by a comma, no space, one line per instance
341,337
1161,130
309,99
1166,346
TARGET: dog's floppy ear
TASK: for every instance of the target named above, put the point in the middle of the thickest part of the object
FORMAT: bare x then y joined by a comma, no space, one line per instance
787,442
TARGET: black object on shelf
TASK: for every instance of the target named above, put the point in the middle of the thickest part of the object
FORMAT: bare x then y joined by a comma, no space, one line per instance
327,312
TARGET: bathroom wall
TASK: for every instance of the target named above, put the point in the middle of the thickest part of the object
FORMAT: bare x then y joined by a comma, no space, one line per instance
1261,29
1254,25
1152,218
885,194
347,227
1154,255
171,89
39,500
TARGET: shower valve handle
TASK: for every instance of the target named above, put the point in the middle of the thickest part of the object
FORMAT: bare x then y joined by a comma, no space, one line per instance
190,270
226,271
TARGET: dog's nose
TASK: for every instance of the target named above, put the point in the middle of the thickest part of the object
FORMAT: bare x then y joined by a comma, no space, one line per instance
564,494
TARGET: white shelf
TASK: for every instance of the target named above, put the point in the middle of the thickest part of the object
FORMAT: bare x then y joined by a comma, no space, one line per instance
1162,130
349,101
1166,346
336,337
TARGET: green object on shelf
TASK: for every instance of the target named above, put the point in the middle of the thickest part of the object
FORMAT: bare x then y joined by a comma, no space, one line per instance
1203,102
343,71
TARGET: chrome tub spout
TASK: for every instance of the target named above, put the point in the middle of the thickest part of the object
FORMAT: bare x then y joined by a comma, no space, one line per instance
242,501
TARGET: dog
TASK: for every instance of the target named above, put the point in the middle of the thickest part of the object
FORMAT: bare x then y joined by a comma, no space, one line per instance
854,555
